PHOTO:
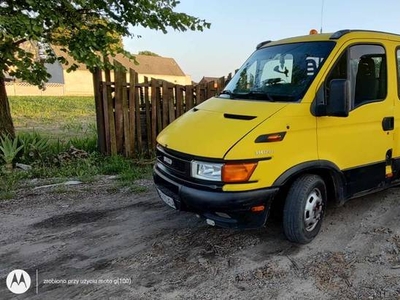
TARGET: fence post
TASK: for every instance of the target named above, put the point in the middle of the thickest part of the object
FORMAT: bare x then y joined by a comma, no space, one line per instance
153,113
179,100
165,110
119,119
189,98
132,105
159,106
148,113
171,103
127,139
137,115
221,84
101,143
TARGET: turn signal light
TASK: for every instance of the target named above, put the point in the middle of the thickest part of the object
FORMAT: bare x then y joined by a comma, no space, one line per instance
238,172
270,138
258,208
275,137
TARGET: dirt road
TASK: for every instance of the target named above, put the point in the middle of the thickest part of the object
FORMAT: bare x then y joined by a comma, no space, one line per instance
92,241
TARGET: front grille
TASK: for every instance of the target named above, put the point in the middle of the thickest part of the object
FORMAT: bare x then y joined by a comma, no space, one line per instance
177,165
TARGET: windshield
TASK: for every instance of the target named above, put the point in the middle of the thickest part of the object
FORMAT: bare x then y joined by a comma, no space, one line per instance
278,73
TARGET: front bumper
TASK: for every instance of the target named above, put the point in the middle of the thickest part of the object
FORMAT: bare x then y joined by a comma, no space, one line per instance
224,209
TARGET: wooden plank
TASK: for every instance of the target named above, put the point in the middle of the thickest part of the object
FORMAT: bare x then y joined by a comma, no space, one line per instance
165,109
221,84
101,143
127,147
148,113
171,103
111,114
131,102
153,113
203,91
159,106
179,100
119,119
107,125
198,94
189,99
138,119
210,90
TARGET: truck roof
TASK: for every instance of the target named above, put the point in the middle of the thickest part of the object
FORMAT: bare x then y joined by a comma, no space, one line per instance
345,33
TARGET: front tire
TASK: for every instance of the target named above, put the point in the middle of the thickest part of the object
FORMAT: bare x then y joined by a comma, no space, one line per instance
304,208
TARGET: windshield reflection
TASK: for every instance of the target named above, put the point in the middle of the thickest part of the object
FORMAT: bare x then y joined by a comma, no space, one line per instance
278,73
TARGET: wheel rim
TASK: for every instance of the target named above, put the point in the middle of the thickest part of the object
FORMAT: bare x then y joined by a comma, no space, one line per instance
313,209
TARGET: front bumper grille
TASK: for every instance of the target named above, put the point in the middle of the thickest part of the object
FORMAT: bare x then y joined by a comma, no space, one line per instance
176,166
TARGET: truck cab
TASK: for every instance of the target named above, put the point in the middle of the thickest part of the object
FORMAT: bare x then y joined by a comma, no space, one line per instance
305,121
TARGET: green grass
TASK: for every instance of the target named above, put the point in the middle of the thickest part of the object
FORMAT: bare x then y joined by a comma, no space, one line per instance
71,116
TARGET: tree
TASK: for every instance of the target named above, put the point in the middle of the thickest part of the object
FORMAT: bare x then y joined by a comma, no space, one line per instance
148,53
86,29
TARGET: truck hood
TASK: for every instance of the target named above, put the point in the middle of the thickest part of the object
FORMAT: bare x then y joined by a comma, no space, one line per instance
215,126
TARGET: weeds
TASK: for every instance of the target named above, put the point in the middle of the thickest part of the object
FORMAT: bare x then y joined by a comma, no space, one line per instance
48,128
34,147
9,150
9,182
53,159
89,144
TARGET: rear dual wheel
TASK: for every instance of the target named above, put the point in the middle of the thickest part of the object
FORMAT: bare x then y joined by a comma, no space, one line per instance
304,208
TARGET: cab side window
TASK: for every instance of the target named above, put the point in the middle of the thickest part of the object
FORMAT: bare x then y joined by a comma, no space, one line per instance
365,67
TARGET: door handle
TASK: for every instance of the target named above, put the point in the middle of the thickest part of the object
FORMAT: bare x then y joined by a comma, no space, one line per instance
388,123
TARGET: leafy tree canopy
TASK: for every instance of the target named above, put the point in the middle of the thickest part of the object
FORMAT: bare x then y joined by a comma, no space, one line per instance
147,52
86,30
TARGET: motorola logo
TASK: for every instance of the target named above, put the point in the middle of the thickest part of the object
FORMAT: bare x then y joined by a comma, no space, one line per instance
18,281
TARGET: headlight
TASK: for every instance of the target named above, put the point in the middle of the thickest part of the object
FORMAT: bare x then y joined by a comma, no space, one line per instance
206,171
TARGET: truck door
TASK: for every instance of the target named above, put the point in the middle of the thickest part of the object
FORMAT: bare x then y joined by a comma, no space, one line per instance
361,143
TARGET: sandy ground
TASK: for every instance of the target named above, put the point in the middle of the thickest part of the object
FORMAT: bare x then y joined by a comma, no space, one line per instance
93,241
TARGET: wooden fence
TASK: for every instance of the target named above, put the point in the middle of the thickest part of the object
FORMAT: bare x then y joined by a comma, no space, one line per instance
131,114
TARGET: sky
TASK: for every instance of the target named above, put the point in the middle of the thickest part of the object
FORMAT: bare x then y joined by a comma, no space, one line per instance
238,26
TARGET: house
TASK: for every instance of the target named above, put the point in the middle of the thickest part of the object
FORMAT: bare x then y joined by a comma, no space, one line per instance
80,81
61,82
156,67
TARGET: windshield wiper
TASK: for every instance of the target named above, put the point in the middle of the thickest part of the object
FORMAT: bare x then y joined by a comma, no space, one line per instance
259,93
249,94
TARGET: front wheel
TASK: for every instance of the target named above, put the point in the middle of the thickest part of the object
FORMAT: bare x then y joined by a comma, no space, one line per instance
304,208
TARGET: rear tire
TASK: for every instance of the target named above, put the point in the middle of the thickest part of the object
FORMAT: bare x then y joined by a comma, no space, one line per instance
304,208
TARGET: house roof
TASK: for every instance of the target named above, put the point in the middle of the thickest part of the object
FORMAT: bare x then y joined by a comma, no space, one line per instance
147,65
152,65
69,59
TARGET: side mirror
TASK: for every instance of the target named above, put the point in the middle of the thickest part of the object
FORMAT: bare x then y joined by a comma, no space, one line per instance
338,104
339,98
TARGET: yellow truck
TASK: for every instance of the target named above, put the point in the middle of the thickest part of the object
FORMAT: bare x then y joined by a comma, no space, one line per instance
305,121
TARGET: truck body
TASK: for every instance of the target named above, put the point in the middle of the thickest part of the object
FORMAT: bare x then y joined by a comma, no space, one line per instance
304,121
